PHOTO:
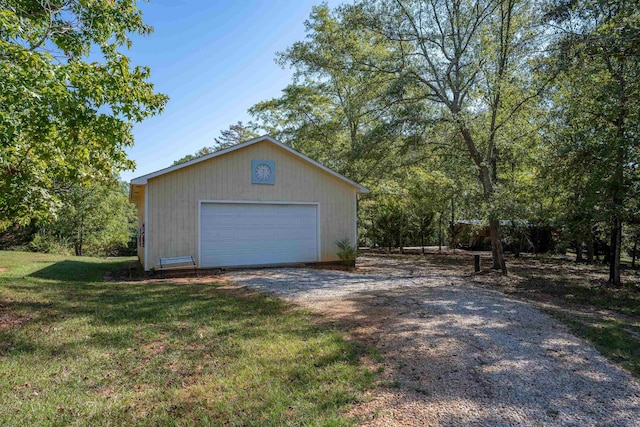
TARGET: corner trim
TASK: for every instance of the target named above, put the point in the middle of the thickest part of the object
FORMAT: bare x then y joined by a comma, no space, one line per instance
355,219
146,228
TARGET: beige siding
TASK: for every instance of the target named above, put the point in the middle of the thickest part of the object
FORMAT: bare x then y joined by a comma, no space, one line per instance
139,201
172,228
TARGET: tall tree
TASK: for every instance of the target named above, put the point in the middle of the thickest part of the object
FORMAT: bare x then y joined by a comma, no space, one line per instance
333,109
236,134
471,58
600,51
68,98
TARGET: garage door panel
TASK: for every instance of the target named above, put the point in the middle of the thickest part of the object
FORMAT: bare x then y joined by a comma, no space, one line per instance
255,234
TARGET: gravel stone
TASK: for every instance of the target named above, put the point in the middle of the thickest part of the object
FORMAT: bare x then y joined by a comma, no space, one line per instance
458,354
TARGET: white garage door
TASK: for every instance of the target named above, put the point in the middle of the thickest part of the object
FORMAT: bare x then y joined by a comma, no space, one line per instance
257,234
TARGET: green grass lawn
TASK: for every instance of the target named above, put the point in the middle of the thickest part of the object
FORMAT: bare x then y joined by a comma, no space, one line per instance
76,350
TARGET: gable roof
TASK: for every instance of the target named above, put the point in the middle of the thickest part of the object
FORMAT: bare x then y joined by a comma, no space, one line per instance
142,180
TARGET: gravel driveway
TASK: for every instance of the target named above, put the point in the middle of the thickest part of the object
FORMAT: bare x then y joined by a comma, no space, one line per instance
455,354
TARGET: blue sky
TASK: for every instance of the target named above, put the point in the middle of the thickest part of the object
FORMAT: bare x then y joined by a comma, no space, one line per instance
215,59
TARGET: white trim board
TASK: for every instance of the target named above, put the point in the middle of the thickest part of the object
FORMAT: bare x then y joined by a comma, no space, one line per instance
259,202
146,228
355,220
142,180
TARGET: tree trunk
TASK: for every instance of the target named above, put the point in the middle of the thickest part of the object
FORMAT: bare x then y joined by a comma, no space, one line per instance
374,240
635,250
440,232
80,242
78,246
484,176
614,250
452,227
616,225
617,188
400,242
590,250
579,257
496,246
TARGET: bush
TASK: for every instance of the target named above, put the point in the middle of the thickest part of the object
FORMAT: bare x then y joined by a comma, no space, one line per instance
46,243
346,251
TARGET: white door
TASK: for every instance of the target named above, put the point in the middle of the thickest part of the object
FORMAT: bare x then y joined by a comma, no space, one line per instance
257,234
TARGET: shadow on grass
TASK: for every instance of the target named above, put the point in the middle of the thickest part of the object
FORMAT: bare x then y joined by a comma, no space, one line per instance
580,290
165,307
81,270
194,352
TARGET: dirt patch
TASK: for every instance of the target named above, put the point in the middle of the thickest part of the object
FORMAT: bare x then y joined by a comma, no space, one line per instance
130,273
134,273
10,319
3,269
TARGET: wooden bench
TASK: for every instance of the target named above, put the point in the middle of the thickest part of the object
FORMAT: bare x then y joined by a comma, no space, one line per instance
177,262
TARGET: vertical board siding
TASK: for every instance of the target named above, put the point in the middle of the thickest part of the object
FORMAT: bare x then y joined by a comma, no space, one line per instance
139,201
174,197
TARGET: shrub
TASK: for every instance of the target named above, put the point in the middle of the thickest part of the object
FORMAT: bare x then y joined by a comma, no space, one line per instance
346,251
46,243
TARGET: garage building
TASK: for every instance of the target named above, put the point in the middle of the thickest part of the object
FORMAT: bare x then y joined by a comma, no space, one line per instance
255,203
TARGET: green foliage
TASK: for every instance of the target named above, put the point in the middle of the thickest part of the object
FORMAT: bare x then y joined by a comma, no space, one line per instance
384,85
597,119
94,219
347,252
201,152
402,210
82,351
236,134
333,110
48,243
68,99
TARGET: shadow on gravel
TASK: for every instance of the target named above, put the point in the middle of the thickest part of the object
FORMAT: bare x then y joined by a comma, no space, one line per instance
474,356
456,354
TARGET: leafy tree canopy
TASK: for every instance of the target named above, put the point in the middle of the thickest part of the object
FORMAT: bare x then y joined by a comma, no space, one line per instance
597,117
68,98
94,219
